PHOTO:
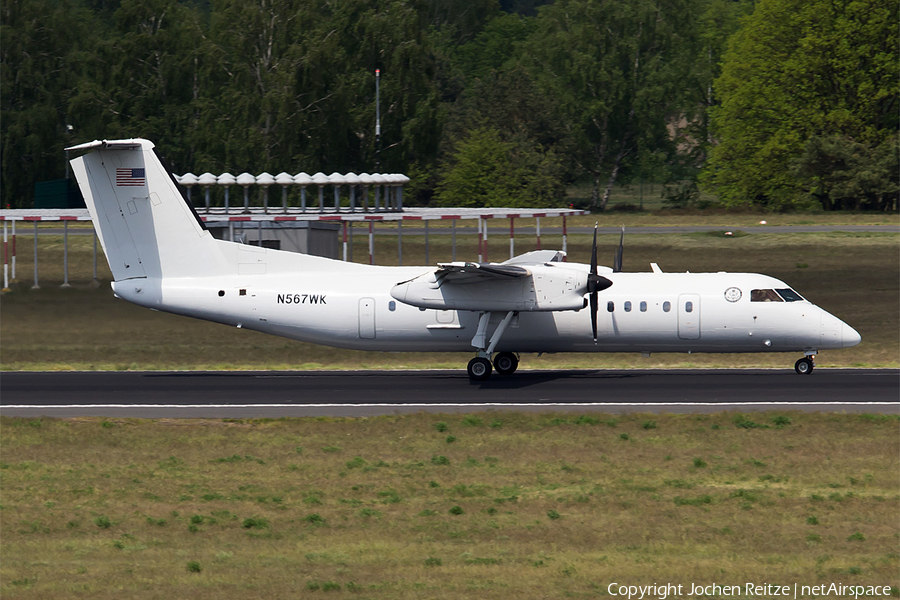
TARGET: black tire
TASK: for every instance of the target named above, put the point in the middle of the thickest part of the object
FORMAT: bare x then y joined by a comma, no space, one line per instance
479,369
804,366
506,363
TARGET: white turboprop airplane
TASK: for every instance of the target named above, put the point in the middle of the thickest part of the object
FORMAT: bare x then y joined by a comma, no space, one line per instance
162,257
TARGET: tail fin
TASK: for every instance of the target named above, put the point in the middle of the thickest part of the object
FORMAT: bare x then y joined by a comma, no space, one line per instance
145,225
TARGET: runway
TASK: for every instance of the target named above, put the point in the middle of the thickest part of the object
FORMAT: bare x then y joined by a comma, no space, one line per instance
156,394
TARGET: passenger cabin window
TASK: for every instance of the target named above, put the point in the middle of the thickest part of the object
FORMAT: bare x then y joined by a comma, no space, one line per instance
667,306
764,296
643,307
610,306
688,307
628,306
789,295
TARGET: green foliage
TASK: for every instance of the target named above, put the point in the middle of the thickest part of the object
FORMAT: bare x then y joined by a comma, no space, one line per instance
857,537
487,170
808,112
431,561
103,522
699,463
255,523
440,460
553,515
441,426
194,567
456,510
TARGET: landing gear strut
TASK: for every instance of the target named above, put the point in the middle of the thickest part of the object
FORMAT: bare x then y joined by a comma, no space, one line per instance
805,365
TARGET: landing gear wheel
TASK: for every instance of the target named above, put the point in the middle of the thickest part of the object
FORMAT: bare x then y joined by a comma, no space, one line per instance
804,366
506,363
479,369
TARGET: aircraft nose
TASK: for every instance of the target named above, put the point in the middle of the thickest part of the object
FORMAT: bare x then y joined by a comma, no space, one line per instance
849,336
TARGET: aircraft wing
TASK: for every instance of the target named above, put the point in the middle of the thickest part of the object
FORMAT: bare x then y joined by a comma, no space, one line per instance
468,272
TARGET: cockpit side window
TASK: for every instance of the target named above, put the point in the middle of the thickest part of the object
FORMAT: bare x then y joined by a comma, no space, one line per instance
789,295
764,296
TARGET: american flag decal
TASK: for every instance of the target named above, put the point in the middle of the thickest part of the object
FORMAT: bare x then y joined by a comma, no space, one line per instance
130,178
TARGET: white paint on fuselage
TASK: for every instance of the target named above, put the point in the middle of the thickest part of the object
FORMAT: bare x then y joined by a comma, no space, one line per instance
330,294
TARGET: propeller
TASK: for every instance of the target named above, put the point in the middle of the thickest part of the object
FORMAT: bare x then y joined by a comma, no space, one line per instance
617,263
596,283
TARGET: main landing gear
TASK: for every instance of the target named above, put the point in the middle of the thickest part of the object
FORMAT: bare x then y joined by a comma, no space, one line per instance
505,363
805,365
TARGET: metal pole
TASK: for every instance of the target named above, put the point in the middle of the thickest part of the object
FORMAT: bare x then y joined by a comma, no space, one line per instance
427,259
453,229
485,240
352,198
207,199
365,198
350,235
377,120
5,259
13,250
377,197
35,286
259,233
512,243
371,243
321,199
284,199
337,198
226,198
565,237
303,199
65,254
400,243
95,254
537,221
480,243
230,230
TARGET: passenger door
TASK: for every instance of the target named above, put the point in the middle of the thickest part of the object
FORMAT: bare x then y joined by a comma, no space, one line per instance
689,316
367,318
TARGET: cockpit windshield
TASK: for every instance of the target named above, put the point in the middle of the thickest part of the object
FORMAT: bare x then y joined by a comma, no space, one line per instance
779,295
789,295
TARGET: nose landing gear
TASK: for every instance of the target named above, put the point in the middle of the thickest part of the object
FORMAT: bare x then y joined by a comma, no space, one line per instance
805,365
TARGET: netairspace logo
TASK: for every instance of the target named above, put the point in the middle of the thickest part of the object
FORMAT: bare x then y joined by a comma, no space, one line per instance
663,591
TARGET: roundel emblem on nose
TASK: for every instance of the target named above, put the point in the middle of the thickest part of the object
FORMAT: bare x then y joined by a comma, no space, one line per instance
732,294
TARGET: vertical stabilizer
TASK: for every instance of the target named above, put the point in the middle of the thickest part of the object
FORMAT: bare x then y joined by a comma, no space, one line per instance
145,225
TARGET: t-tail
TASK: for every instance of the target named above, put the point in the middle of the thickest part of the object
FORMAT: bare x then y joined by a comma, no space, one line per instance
147,228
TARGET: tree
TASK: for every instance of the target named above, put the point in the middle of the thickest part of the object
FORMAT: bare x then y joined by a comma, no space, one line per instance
485,170
804,80
618,72
45,51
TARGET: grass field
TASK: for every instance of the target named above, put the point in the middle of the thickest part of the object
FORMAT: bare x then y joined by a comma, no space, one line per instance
852,275
491,505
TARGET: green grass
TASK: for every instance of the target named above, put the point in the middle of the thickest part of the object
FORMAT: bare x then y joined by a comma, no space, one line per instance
852,275
548,505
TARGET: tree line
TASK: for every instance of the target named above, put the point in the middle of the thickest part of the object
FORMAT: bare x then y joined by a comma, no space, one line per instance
776,104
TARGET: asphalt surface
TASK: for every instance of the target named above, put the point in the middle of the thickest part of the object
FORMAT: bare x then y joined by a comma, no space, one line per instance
366,393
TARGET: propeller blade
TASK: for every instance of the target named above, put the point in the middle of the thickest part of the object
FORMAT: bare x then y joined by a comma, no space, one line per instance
594,304
594,252
617,263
